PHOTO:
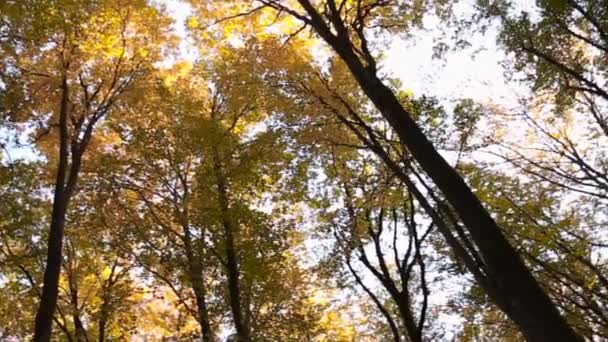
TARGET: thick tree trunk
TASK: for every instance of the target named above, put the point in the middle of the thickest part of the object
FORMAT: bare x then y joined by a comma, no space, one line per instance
529,305
521,297
407,317
232,264
48,300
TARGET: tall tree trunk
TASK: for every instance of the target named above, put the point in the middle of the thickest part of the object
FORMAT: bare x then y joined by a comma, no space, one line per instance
202,311
232,264
105,305
105,308
521,297
246,303
48,299
196,279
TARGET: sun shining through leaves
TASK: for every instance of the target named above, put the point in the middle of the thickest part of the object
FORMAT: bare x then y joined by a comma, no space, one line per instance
303,170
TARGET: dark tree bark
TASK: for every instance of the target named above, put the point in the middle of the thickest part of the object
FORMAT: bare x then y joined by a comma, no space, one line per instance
397,283
385,313
195,271
102,330
202,310
232,263
515,291
48,300
71,149
106,305
80,331
398,293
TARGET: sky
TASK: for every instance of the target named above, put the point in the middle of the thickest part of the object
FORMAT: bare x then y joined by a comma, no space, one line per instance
474,72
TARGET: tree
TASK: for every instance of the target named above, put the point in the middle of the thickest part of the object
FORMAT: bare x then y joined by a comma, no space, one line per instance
96,294
343,26
162,181
222,173
559,52
76,69
374,212
561,55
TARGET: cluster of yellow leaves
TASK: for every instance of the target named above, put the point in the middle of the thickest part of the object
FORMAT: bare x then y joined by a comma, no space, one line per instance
161,316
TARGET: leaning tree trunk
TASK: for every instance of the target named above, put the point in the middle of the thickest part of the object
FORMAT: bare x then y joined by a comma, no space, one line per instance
517,293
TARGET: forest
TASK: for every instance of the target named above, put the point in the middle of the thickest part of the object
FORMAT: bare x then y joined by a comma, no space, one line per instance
303,170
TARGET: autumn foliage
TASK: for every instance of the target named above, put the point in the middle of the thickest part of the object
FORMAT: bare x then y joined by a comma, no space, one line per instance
252,171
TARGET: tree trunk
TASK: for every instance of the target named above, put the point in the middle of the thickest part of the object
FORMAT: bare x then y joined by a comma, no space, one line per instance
522,298
529,305
81,333
196,279
48,299
409,322
102,329
202,312
232,265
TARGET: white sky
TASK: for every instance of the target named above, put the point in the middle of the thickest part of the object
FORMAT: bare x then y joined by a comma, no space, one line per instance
461,75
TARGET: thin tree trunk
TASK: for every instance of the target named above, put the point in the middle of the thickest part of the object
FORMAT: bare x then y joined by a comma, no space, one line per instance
48,300
522,298
196,279
102,329
81,333
105,305
232,265
202,311
374,298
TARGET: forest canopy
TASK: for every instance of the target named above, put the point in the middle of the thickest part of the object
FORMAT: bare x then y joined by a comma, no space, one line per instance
303,170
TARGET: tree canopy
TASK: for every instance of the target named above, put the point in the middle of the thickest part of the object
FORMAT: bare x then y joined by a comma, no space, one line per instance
182,170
